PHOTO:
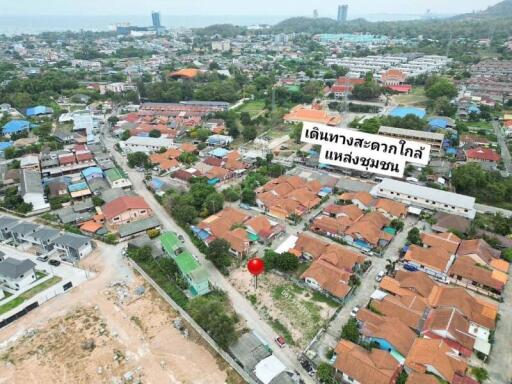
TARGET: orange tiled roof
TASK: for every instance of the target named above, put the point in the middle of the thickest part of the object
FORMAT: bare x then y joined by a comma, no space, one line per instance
301,113
446,240
185,73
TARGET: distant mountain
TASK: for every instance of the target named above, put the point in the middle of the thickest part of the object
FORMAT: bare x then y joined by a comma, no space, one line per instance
469,25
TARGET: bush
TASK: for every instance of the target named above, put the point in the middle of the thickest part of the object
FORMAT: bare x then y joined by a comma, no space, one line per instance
507,254
153,233
285,262
350,331
480,374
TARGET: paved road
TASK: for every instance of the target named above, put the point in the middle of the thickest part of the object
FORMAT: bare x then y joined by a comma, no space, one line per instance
240,304
500,363
362,295
481,208
505,154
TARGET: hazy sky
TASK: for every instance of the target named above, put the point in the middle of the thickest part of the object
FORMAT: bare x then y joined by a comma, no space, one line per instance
236,7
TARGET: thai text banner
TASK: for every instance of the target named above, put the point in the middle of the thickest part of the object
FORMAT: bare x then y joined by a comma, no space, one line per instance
364,151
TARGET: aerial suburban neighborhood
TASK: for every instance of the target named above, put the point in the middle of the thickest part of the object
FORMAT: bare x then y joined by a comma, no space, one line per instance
162,219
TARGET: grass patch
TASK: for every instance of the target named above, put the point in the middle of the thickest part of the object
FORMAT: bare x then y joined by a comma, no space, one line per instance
254,107
281,330
301,269
480,125
415,98
319,298
29,294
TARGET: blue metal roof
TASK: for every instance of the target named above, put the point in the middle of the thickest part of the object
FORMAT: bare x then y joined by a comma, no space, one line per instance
78,187
404,111
5,144
38,110
92,171
438,123
219,152
15,126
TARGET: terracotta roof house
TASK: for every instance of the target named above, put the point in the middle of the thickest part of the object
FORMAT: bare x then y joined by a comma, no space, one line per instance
482,154
356,364
421,378
393,76
301,113
435,261
468,273
479,250
330,226
125,209
310,247
390,333
447,221
409,309
408,283
351,211
391,208
368,230
445,240
436,357
452,326
478,311
264,228
362,199
185,73
322,275
188,147
228,224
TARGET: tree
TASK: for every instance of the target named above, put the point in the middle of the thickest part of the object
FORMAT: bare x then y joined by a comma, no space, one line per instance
285,262
245,118
249,132
397,224
231,194
113,120
155,133
443,107
211,314
125,135
138,159
480,374
325,373
97,201
248,196
413,236
188,158
440,86
371,125
213,203
402,378
507,255
218,253
296,133
350,331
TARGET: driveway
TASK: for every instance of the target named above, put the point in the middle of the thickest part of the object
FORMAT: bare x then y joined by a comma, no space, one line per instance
331,337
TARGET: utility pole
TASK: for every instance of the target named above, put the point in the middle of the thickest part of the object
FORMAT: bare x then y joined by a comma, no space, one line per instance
273,98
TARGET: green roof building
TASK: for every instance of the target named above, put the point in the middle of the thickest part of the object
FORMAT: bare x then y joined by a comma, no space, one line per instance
196,276
170,243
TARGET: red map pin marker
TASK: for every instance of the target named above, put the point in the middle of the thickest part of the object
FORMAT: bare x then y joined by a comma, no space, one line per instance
256,266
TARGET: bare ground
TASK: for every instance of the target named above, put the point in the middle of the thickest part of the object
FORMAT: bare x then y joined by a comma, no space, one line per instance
104,332
278,299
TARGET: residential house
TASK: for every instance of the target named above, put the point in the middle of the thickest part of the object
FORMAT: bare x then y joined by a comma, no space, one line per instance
363,200
6,223
435,261
117,178
332,271
446,221
353,212
73,246
391,209
17,274
410,309
388,333
450,325
477,277
30,163
227,224
482,155
481,252
57,189
170,243
44,237
266,230
301,114
445,240
435,357
139,227
32,191
125,209
23,232
358,365
146,144
79,190
195,275
92,173
369,232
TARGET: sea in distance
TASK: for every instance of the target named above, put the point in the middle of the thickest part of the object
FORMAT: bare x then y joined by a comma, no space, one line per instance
30,24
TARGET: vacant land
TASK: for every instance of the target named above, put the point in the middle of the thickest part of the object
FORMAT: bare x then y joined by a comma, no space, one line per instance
295,313
415,98
254,108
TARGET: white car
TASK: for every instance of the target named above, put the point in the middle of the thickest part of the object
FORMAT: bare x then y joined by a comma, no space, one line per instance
380,276
354,311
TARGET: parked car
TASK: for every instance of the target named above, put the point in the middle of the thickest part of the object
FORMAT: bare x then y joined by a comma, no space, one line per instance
280,341
354,311
410,268
43,258
380,276
54,262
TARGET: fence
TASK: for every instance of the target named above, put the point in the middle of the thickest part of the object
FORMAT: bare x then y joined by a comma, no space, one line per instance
193,324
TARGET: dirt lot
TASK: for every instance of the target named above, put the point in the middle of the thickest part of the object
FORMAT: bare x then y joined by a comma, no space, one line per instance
295,313
113,334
